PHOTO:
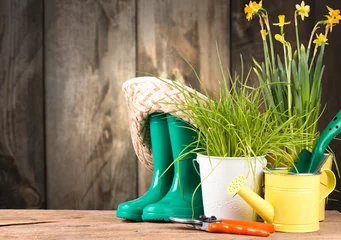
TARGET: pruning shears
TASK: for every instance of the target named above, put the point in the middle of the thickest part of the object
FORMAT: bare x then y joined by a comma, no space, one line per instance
219,225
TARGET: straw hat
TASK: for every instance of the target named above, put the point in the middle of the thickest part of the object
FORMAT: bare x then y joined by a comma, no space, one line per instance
144,96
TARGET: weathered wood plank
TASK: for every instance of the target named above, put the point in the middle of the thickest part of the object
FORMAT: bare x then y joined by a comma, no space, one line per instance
22,180
90,52
67,224
169,28
331,85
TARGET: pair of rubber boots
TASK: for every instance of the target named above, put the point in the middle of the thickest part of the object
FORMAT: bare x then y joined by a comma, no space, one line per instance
171,191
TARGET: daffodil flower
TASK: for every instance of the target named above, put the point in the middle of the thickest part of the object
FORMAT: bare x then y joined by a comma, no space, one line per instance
263,33
251,9
303,10
334,13
320,39
280,38
331,21
281,19
257,6
249,12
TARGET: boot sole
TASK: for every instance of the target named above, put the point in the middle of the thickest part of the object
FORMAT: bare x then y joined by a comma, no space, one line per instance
156,217
129,216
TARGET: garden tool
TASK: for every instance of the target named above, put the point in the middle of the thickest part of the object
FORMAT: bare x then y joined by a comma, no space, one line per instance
291,200
311,162
215,225
162,155
179,201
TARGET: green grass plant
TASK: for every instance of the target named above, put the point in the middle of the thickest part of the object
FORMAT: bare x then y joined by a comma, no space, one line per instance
229,122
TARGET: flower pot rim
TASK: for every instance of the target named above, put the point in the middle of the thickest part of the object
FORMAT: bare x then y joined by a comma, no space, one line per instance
272,171
238,158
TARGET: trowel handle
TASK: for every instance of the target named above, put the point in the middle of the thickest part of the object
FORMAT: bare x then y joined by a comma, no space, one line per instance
329,133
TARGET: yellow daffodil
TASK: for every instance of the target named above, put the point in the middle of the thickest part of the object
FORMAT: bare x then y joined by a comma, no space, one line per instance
281,19
280,38
248,11
257,6
263,33
251,9
320,39
333,18
331,21
334,13
303,10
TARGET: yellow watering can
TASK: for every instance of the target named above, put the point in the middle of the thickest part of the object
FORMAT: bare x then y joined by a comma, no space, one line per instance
291,200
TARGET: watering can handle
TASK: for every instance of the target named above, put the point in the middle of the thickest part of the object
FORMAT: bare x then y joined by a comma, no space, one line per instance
331,183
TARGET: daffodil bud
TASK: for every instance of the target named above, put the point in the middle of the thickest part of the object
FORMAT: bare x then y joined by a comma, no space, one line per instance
263,33
280,38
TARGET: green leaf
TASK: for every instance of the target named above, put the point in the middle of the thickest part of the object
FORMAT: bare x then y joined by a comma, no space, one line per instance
295,76
266,93
256,64
295,55
316,88
317,72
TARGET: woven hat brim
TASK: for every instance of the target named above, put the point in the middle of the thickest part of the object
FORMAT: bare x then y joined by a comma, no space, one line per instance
147,95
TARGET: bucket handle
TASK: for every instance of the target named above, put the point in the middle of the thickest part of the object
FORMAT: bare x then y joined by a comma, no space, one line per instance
194,165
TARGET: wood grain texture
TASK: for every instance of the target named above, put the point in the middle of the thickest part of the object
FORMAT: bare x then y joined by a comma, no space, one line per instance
169,28
331,86
89,225
22,180
246,38
90,52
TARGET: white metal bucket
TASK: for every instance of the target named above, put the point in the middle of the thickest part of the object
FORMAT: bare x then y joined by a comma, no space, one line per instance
216,173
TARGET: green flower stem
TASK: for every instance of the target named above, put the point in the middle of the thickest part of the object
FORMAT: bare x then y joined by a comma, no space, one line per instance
272,50
297,37
312,60
285,56
311,37
289,82
267,61
266,52
271,44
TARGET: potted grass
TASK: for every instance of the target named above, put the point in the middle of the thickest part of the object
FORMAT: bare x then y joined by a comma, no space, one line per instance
299,71
234,136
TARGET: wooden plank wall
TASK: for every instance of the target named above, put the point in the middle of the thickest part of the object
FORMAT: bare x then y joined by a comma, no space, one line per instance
166,30
22,157
89,53
64,134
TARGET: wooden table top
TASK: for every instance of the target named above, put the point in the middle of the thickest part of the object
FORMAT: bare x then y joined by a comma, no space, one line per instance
86,225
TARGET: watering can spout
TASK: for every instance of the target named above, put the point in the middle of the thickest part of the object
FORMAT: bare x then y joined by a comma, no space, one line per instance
262,207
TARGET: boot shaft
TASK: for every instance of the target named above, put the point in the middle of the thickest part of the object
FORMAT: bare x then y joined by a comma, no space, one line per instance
182,135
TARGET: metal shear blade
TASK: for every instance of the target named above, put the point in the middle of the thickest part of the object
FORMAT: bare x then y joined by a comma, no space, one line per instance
185,221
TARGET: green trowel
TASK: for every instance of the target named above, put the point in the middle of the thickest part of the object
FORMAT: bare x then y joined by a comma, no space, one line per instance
311,162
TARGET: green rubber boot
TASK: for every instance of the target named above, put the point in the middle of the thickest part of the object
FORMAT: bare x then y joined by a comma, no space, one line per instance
178,201
162,158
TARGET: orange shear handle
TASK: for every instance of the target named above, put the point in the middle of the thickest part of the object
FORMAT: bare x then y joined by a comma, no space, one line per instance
264,226
236,229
